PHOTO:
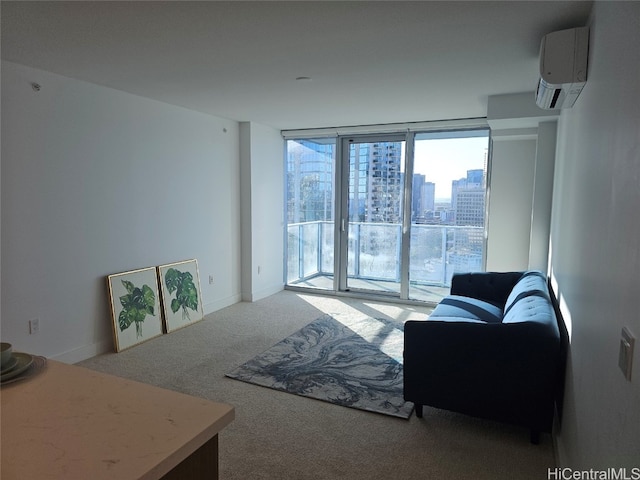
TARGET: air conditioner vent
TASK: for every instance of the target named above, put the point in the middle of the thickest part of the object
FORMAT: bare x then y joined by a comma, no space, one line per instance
563,67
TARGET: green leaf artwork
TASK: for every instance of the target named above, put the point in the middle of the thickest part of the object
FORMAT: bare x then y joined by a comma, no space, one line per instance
136,305
186,292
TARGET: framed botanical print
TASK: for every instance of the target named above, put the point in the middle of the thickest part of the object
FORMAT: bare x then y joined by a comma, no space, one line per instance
181,295
135,307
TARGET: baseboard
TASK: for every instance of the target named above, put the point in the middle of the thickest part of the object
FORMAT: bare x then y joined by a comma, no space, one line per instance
88,351
83,353
264,293
221,303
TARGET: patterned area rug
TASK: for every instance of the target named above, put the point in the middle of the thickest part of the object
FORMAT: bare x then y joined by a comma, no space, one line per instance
355,364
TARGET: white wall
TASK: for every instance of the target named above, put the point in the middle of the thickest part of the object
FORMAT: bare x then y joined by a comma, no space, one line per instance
542,196
262,187
510,202
595,245
523,153
94,182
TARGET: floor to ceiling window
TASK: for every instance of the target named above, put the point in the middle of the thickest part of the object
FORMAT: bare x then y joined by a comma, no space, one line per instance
388,214
310,201
448,208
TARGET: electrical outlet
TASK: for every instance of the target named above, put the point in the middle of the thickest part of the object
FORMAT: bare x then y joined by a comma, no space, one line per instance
34,326
210,279
625,357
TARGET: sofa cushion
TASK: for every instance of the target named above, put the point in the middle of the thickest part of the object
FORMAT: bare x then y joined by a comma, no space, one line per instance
458,308
532,283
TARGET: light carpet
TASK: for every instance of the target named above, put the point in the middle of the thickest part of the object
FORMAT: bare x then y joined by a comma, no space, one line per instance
356,364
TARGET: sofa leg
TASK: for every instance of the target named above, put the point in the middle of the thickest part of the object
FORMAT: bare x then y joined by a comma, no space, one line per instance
535,437
418,410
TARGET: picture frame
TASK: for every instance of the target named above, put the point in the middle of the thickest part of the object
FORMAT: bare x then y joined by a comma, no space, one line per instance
181,294
136,315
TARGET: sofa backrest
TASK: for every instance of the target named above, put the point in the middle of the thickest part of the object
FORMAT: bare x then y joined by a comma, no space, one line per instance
532,282
529,301
492,287
531,309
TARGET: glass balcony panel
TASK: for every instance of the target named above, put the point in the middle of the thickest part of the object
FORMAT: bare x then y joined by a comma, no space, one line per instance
293,253
310,249
427,259
326,238
378,251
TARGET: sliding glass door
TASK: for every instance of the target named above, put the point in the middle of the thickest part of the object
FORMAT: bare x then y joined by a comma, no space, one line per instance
372,209
393,214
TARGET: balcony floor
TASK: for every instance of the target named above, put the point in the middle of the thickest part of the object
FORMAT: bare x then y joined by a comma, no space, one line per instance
421,293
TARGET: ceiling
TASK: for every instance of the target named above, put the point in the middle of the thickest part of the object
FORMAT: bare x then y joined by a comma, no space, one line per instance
370,62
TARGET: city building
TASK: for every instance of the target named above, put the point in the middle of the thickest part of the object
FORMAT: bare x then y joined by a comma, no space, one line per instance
468,199
310,180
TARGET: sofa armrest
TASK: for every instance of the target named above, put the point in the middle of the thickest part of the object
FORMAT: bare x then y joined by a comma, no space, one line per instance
501,371
492,287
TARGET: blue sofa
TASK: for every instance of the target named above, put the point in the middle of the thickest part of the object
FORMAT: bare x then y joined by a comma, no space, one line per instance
491,349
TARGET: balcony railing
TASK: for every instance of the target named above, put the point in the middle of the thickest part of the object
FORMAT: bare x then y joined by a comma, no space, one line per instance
436,251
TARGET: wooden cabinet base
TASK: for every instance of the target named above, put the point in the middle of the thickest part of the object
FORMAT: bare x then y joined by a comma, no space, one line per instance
200,465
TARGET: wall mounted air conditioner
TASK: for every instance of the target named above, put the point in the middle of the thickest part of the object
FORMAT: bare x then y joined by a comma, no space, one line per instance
563,67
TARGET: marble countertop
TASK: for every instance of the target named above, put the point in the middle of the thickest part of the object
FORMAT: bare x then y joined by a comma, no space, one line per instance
72,422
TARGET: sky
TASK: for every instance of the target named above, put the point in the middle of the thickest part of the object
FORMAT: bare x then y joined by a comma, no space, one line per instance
444,160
